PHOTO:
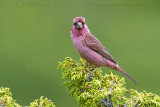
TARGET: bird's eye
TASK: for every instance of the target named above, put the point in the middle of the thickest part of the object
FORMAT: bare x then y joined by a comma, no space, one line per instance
83,23
75,23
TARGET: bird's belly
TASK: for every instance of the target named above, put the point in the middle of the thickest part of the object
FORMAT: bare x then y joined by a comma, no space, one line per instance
90,55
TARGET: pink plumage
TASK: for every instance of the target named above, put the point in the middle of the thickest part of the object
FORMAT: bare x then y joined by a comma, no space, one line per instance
89,47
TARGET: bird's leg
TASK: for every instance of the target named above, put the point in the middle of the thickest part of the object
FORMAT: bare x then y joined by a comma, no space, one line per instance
84,65
91,74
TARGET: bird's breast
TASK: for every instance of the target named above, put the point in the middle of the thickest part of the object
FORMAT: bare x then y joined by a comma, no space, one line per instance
79,44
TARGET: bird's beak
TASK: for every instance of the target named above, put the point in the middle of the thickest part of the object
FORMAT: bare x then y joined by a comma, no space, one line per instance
79,25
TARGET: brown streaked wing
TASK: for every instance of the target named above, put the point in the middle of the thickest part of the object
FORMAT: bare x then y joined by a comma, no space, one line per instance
93,43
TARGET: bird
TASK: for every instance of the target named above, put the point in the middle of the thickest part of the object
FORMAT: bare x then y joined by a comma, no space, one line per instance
91,49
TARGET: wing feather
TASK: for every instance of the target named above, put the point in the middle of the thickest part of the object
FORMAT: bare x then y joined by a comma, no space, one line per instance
93,43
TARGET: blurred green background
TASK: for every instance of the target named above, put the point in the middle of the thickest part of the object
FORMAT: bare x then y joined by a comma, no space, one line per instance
35,36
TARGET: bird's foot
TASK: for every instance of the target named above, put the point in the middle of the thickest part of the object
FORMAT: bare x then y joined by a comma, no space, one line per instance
91,74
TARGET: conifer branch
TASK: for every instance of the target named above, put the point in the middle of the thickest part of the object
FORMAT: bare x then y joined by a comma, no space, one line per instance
101,90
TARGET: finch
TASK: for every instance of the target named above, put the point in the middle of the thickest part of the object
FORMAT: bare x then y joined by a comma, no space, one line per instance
90,48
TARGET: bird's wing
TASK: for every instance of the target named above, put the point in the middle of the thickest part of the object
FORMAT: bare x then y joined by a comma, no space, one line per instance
93,43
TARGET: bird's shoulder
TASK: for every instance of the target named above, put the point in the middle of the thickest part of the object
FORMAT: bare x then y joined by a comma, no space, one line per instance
90,38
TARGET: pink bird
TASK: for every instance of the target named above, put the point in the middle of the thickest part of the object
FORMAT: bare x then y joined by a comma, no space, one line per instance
89,47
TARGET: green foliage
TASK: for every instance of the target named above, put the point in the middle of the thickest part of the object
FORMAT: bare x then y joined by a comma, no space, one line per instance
7,101
6,98
101,90
42,103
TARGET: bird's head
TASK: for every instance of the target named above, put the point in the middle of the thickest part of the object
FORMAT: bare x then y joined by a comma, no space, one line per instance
79,27
79,22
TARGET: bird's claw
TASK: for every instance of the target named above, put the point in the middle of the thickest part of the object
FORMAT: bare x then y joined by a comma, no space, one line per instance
89,76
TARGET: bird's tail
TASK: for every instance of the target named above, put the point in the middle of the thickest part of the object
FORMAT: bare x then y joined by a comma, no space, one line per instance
124,73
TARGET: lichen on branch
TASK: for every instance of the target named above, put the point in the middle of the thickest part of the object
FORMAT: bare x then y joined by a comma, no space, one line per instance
101,90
